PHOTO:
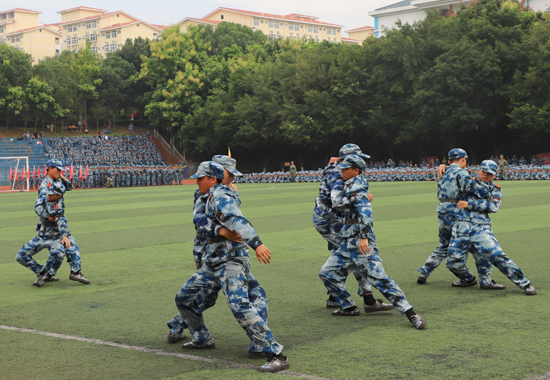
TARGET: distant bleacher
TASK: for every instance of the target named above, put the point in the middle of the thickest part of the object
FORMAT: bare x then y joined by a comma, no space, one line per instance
35,152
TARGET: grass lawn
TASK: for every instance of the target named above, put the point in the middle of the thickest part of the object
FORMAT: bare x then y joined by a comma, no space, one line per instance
136,246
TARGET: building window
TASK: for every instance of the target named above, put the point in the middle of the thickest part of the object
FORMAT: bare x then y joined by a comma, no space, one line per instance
94,49
88,25
86,37
70,29
276,24
74,41
17,38
315,30
271,23
75,28
93,24
222,17
68,41
290,26
13,40
256,22
20,48
93,37
272,37
1,29
113,47
108,35
113,34
309,28
106,48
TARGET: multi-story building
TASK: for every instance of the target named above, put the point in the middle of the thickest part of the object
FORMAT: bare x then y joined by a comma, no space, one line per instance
21,29
106,31
293,26
410,11
360,34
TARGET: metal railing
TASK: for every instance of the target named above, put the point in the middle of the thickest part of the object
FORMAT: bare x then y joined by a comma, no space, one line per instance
171,148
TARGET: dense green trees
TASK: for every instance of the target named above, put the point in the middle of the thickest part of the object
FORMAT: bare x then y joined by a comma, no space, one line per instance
478,78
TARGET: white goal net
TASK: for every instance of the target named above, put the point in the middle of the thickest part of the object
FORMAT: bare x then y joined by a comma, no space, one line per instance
14,174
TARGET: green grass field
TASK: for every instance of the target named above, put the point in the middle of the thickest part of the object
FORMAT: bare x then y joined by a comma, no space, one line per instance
136,246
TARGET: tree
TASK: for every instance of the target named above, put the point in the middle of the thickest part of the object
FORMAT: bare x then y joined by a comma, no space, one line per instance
86,67
56,72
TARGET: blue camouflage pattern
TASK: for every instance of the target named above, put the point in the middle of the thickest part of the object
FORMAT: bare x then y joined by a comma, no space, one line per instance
226,266
329,222
358,225
474,230
455,183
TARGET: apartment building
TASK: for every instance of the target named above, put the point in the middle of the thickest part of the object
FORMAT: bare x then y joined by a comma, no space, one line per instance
21,29
106,31
361,33
293,26
410,11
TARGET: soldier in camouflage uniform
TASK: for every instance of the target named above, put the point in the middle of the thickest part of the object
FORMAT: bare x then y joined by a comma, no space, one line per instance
455,182
473,227
328,222
359,249
52,231
226,264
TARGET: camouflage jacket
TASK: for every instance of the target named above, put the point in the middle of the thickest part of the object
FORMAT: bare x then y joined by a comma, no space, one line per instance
479,208
42,208
223,210
455,183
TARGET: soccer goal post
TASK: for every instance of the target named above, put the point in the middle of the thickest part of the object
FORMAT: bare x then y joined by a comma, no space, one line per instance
14,174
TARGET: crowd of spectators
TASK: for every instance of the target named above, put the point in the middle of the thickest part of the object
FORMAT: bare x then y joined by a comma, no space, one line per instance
112,151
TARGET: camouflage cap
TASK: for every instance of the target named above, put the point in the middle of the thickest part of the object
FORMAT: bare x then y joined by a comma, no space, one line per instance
209,169
457,153
489,166
353,161
228,163
348,149
54,164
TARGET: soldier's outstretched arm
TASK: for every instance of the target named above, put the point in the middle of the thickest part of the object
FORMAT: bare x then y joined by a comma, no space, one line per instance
470,185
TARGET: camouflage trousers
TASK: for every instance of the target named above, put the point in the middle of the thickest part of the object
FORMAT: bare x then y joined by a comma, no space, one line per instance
480,236
334,272
445,223
73,256
329,225
244,295
32,247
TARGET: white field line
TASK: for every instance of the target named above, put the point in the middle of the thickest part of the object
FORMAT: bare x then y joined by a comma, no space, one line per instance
158,352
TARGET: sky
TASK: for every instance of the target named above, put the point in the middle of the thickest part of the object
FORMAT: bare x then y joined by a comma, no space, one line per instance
349,13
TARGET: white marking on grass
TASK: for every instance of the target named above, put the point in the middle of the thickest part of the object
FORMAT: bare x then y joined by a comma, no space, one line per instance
158,352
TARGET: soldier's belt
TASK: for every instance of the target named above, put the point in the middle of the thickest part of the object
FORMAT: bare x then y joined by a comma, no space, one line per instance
329,205
449,200
216,240
351,221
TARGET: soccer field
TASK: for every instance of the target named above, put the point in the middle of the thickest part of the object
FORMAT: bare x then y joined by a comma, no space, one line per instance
136,246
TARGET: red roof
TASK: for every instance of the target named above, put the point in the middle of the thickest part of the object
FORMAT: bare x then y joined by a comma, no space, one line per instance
120,25
290,17
202,20
361,29
20,10
84,8
33,28
98,16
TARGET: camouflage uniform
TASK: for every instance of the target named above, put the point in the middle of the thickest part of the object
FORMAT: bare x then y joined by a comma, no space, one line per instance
329,222
358,225
48,233
473,228
455,181
226,266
